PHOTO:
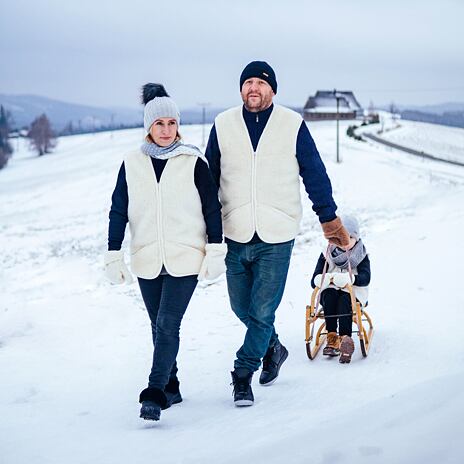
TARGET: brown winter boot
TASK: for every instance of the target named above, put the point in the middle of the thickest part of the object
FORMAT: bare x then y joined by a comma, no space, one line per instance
346,349
333,345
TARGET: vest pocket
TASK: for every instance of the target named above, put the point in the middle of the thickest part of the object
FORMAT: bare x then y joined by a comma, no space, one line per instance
145,261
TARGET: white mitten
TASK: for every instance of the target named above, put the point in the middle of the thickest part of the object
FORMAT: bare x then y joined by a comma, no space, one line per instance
341,279
213,264
327,279
115,268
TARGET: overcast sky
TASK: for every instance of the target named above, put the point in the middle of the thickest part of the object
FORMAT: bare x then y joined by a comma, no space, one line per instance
101,52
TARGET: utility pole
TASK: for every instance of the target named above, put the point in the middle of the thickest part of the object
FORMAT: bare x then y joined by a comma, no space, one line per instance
203,122
338,96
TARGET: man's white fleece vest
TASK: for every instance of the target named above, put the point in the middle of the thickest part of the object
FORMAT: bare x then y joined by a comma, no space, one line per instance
165,218
259,192
361,293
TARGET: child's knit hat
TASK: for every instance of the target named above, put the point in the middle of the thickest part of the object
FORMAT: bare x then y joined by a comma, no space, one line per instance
351,225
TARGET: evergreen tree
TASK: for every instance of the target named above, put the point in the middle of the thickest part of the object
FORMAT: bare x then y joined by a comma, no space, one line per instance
5,147
41,135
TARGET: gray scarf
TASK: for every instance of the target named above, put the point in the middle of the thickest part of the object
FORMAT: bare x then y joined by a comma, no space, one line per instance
175,149
341,257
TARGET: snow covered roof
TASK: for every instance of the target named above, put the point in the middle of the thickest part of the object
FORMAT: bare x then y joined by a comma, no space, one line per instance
326,101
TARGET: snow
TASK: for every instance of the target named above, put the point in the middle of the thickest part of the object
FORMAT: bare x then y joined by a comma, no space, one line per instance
440,141
75,351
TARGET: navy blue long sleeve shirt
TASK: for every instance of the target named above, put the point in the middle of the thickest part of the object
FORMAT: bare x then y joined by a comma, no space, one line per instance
211,207
362,279
312,170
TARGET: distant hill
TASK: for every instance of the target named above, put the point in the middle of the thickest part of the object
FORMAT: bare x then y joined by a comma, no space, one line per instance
25,108
447,114
439,108
195,115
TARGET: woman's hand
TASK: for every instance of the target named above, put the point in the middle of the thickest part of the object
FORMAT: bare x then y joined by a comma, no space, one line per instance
115,268
213,264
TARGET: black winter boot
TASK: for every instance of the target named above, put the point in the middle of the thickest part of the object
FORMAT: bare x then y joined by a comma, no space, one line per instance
153,400
243,394
172,392
272,361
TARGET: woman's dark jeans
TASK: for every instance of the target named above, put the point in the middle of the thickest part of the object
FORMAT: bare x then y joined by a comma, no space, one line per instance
166,299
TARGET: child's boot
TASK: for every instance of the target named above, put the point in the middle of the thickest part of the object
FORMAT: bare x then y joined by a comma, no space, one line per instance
346,349
332,347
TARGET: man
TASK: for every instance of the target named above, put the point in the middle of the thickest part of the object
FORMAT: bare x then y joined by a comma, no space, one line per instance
256,154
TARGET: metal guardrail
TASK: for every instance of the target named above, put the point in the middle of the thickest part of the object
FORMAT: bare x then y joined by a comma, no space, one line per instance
409,150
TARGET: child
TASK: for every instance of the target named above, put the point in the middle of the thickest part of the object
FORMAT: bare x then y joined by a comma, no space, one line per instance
335,297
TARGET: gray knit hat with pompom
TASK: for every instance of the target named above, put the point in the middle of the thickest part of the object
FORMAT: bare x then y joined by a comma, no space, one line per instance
158,104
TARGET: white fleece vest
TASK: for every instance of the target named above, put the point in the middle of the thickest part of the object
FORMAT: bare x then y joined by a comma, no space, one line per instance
165,219
361,293
259,191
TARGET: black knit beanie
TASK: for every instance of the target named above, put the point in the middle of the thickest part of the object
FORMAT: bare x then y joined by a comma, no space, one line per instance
261,70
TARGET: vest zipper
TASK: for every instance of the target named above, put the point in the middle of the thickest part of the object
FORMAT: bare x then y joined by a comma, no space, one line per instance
253,190
160,225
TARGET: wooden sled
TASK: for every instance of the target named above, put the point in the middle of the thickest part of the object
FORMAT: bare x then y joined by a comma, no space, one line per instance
315,325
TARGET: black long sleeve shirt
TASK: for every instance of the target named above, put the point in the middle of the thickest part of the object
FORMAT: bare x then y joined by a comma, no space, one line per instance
211,207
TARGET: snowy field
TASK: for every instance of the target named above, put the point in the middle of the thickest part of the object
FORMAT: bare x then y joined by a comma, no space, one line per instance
75,351
433,139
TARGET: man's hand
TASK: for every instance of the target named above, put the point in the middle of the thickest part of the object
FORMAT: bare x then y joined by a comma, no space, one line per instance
335,233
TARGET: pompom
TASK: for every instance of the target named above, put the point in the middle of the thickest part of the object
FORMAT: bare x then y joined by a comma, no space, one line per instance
150,91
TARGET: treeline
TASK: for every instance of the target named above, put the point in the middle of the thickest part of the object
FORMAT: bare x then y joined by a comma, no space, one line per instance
6,150
448,118
75,129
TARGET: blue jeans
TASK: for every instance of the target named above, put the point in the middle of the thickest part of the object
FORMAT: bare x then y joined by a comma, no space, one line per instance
256,277
166,299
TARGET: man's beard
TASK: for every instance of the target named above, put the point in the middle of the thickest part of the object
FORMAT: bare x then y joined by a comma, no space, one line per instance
261,104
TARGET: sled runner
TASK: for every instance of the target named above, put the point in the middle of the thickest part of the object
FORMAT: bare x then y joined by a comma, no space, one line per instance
315,323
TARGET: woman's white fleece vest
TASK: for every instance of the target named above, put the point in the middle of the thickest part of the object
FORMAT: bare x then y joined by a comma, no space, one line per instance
165,219
259,191
361,293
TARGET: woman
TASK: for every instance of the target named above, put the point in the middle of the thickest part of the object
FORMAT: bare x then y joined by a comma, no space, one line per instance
166,193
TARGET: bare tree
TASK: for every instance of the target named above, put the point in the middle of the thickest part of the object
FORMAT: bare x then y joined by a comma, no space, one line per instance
41,135
393,110
5,147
